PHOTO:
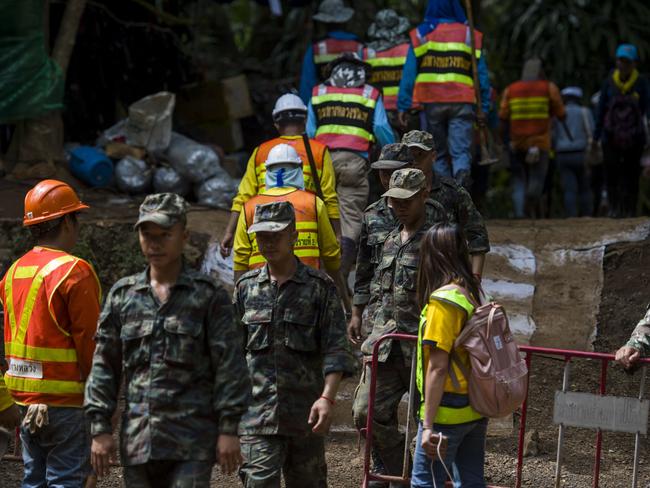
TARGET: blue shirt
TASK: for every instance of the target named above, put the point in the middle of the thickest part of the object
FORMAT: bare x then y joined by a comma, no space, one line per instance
410,72
380,126
309,77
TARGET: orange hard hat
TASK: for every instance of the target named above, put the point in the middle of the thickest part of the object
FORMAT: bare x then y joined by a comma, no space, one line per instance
49,200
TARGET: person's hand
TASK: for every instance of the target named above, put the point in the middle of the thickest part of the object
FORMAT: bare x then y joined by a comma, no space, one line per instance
627,356
429,444
320,416
10,417
225,246
481,119
402,120
102,454
228,453
354,330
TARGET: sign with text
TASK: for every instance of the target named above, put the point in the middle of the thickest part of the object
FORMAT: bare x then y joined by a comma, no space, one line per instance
616,414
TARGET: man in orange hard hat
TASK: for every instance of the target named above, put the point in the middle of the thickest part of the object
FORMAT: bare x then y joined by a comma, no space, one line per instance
51,303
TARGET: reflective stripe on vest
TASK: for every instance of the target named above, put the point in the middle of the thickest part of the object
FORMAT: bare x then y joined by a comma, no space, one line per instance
530,105
42,363
444,415
327,50
344,116
444,58
318,150
387,69
306,247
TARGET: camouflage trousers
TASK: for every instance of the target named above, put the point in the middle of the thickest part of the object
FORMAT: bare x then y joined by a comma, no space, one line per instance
169,474
393,378
267,457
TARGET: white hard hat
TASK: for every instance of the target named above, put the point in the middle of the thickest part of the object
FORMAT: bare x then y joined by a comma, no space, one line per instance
572,91
289,101
282,154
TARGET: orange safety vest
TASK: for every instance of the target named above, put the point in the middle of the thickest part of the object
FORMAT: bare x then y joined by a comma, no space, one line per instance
344,116
306,247
530,108
317,149
444,58
42,358
328,49
387,69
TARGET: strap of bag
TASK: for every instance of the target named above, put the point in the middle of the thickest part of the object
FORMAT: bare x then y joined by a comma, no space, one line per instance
312,166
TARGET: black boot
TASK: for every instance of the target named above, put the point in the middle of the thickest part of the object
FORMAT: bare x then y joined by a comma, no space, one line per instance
377,468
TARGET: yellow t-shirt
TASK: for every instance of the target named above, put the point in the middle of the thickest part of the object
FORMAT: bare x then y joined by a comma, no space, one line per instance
444,323
6,400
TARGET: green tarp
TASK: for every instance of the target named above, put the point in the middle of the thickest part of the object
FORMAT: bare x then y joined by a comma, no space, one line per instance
31,83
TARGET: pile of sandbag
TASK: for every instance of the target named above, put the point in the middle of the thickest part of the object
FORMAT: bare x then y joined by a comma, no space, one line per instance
150,157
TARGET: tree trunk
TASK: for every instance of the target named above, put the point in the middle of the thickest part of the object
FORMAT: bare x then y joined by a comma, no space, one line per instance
38,143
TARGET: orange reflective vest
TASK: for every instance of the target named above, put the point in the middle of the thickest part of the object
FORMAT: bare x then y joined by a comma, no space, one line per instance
41,356
344,116
387,69
444,58
327,50
317,149
306,247
530,108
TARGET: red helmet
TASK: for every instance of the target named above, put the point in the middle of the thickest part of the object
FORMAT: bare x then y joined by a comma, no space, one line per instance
49,200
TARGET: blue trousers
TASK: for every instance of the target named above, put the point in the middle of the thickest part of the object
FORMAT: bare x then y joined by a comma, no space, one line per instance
452,126
465,457
575,183
58,455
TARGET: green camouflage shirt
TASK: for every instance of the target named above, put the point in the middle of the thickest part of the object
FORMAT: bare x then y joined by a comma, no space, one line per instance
182,364
295,335
378,221
394,300
640,338
461,209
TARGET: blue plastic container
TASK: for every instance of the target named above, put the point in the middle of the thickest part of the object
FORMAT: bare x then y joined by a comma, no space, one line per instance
91,166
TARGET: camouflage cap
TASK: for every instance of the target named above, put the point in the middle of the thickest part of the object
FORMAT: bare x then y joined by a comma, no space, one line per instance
394,156
163,209
272,217
419,138
404,183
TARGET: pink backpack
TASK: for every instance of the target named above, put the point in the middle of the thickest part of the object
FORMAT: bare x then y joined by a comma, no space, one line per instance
498,377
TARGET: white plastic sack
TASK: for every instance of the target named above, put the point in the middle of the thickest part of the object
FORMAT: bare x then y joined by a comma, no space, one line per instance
217,192
114,133
217,266
133,175
194,161
150,122
167,180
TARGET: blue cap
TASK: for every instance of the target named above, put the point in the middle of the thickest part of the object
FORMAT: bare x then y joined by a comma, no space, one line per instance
627,51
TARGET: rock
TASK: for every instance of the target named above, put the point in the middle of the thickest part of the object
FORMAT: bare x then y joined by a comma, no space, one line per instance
532,444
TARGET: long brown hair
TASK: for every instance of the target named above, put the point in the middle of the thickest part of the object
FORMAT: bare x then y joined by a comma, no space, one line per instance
444,259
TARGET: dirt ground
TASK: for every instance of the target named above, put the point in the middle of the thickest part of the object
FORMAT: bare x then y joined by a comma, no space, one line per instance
614,304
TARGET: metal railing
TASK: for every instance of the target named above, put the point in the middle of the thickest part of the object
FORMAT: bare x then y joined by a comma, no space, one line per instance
567,355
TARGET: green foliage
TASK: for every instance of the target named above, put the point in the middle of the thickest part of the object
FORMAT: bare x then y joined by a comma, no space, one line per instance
575,38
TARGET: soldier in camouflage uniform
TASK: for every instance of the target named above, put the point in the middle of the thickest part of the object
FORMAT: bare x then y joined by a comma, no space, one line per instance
170,335
639,344
378,221
395,307
297,353
453,197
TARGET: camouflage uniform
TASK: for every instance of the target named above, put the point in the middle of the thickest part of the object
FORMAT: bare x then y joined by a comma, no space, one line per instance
640,338
183,366
395,309
294,337
453,197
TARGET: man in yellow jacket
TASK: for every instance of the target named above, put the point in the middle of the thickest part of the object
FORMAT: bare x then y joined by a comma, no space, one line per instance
316,242
290,118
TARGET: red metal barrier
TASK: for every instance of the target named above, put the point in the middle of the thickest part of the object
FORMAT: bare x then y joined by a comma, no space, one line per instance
568,355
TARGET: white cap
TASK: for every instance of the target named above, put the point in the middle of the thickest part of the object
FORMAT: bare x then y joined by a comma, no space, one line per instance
289,101
282,154
572,91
